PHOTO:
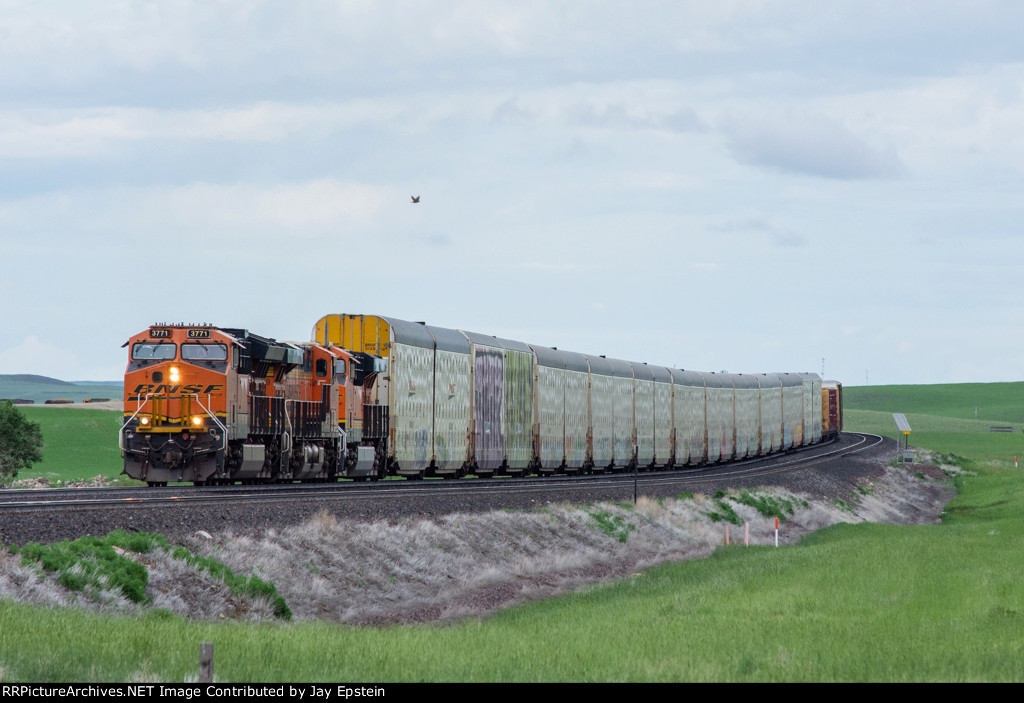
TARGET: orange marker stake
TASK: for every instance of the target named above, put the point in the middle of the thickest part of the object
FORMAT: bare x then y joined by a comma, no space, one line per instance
776,532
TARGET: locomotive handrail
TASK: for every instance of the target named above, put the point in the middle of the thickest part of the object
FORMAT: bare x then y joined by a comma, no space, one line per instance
287,438
120,433
223,429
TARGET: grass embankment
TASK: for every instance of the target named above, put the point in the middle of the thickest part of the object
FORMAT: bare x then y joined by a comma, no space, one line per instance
851,603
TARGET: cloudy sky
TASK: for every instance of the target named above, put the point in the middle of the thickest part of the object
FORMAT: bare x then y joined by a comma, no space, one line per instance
744,186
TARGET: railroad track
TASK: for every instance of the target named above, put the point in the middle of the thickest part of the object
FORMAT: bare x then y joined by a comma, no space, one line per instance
102,499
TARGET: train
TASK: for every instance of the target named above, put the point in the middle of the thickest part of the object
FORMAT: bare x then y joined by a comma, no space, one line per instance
371,396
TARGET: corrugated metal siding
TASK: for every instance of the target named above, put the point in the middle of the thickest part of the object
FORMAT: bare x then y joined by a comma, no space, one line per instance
551,416
792,411
576,383
488,406
721,413
748,415
519,370
644,413
411,406
451,409
622,420
689,416
662,422
771,412
812,407
601,413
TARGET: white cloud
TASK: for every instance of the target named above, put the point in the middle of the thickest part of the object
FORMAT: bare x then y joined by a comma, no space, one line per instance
35,357
810,145
306,209
76,132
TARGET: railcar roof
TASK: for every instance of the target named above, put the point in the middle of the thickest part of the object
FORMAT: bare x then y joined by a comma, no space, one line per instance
682,377
496,342
413,334
450,340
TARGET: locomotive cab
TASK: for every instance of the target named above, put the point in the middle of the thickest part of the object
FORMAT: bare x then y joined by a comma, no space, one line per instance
174,405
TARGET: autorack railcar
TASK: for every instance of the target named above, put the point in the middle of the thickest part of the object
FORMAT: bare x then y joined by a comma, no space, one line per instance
453,402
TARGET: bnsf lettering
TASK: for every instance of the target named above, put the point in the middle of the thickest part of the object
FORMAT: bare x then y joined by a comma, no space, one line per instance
144,388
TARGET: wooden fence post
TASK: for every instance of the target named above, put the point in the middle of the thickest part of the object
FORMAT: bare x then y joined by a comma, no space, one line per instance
206,662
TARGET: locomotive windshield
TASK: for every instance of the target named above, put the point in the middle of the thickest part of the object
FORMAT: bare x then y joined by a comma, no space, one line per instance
204,352
148,351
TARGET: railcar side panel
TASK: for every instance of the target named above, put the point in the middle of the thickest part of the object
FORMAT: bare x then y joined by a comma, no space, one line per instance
662,416
812,407
771,412
488,401
792,411
519,404
689,418
576,418
644,404
623,417
747,415
411,407
451,410
550,414
601,412
721,418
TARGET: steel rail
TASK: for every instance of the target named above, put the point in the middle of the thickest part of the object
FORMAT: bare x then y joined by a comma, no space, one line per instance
107,498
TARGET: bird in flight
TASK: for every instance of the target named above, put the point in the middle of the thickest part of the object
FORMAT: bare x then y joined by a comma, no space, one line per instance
415,199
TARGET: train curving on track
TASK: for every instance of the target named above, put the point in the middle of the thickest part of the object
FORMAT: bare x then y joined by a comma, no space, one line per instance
373,396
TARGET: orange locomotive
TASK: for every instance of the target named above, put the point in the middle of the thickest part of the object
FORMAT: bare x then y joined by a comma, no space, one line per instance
220,405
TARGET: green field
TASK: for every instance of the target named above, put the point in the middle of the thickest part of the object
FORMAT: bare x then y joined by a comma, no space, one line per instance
78,444
850,603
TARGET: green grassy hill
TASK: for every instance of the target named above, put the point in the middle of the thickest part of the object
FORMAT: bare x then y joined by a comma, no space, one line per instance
941,417
996,403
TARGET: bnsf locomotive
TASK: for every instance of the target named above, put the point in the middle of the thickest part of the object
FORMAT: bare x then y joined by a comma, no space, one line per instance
220,405
372,396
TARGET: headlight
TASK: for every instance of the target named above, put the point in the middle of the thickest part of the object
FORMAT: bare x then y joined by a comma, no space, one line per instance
197,420
175,374
144,421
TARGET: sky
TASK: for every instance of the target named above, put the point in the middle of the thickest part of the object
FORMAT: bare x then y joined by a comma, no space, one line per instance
737,186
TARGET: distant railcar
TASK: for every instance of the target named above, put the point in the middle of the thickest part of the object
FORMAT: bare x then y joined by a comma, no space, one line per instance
831,408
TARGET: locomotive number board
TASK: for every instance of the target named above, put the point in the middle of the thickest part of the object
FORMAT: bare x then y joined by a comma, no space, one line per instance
159,333
199,334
